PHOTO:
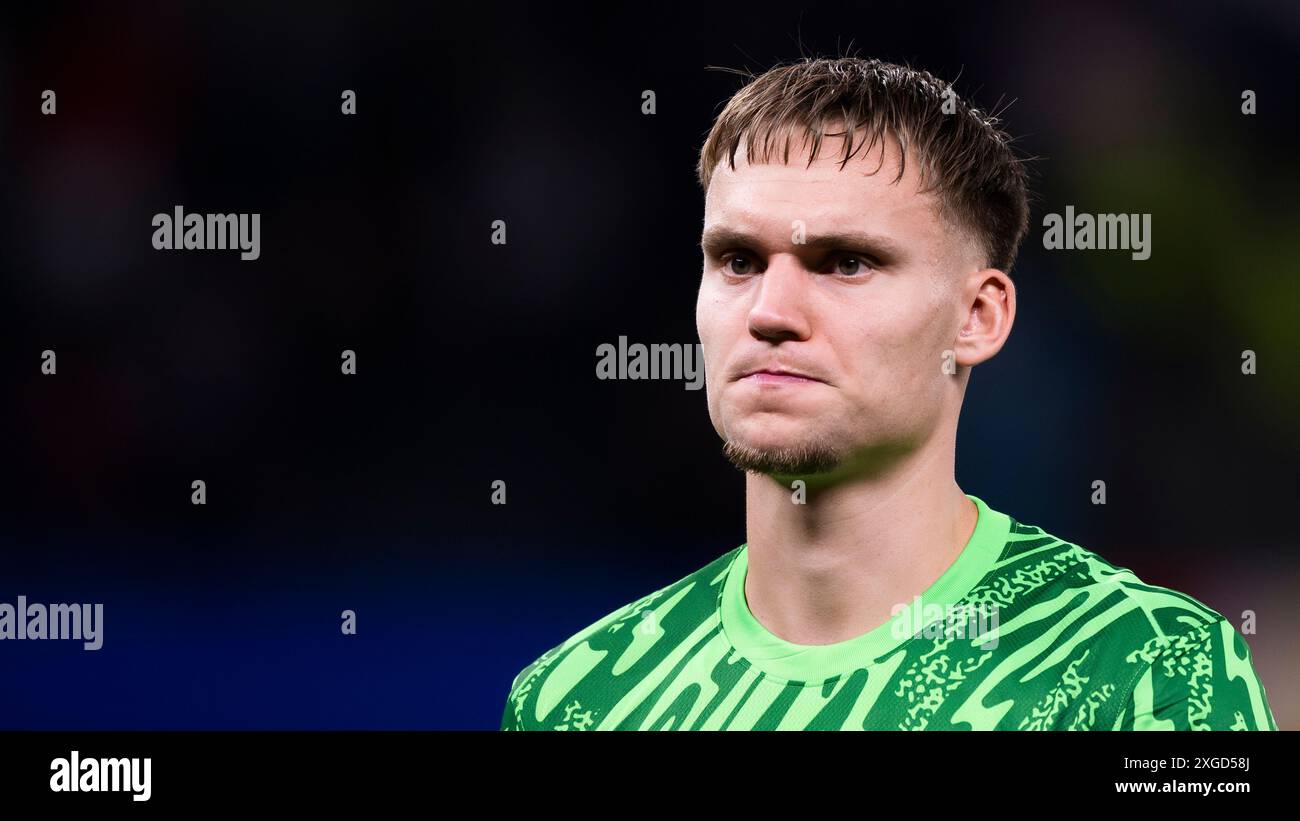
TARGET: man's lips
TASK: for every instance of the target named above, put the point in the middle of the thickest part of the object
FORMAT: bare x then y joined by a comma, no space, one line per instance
778,376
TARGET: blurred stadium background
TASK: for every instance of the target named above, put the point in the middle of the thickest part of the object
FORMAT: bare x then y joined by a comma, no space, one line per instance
476,362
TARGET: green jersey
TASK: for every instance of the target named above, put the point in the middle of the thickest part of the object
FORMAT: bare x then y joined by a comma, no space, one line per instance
1024,631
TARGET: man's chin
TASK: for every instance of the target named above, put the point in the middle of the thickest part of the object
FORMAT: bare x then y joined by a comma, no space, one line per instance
802,459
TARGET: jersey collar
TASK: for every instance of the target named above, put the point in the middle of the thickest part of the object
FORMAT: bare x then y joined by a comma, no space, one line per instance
784,660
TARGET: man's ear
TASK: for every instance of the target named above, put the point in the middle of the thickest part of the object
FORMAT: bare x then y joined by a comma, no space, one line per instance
990,309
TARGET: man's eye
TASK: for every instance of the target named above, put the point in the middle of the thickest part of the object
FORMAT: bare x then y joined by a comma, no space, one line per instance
729,262
856,265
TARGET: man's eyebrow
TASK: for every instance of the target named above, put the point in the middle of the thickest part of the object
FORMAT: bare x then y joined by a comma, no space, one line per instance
720,238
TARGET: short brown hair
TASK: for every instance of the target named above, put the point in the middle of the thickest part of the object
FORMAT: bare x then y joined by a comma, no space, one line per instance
979,180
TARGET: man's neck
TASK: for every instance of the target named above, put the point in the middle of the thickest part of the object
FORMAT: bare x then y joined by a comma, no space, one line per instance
833,567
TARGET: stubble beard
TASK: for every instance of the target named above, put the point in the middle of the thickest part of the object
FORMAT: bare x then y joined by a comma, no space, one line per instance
804,459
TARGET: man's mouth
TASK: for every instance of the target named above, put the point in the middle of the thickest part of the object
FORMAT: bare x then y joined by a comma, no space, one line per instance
778,376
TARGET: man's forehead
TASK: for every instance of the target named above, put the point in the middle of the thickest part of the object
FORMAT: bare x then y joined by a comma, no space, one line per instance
822,193
861,182
884,155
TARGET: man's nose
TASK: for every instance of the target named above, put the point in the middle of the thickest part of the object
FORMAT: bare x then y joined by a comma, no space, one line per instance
779,310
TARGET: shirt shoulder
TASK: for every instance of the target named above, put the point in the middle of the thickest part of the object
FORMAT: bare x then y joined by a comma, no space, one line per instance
549,692
1149,656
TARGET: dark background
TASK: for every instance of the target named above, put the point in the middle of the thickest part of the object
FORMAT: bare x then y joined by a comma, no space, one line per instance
476,362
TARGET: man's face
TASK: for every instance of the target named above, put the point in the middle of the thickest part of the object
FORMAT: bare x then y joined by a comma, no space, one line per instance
865,316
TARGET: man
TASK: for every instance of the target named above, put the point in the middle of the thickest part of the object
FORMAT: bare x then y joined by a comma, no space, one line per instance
860,224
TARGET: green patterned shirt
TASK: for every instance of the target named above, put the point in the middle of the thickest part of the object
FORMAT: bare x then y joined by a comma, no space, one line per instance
1023,632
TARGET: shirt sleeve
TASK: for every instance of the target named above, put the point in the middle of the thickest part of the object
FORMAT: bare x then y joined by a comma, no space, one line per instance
1199,680
509,714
